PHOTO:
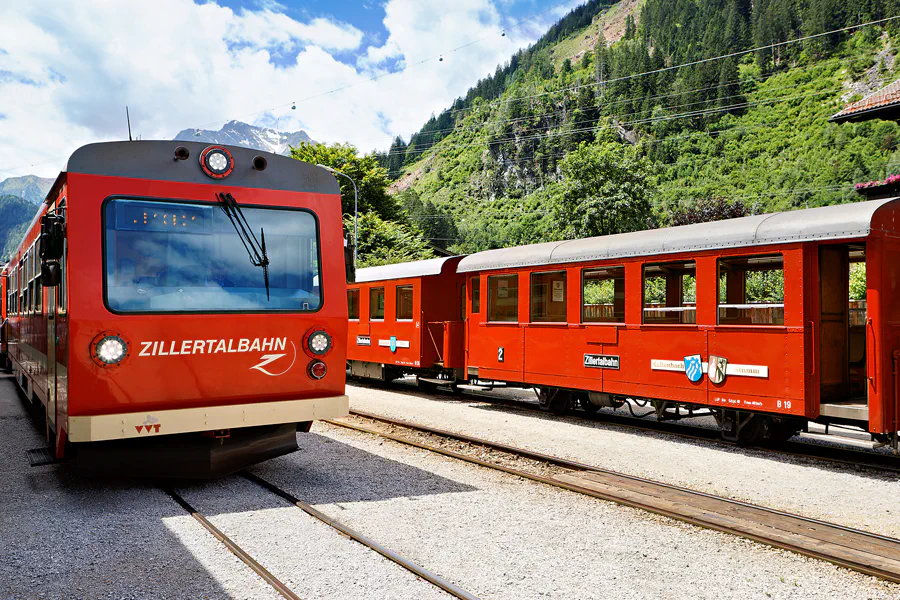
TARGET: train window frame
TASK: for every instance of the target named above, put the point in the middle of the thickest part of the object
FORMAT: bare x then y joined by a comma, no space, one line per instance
609,268
372,290
103,238
515,297
687,268
726,311
550,293
62,288
476,295
397,304
349,316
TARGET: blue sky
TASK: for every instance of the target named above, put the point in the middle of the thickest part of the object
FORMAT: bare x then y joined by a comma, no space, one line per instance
350,67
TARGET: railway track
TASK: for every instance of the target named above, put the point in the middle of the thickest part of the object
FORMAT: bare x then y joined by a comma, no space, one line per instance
421,572
861,551
839,455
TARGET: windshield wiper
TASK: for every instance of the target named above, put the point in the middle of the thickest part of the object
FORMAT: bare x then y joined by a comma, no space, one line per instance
256,249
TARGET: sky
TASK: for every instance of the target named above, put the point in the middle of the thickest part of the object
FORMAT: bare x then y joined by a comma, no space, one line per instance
359,71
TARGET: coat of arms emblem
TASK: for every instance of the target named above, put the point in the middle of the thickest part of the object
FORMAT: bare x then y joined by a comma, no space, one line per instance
393,343
693,367
717,368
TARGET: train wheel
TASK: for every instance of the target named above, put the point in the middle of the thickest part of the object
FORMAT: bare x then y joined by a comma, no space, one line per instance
780,429
586,405
743,428
555,400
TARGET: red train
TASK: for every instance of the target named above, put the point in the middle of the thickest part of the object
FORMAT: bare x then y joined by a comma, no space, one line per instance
749,320
177,309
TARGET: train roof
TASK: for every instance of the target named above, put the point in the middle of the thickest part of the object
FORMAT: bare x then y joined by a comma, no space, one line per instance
155,159
842,221
419,268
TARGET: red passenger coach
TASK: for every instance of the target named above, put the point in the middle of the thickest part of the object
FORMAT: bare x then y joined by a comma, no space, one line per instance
177,309
407,319
749,318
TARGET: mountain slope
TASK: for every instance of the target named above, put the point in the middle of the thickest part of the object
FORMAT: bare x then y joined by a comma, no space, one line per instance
30,187
15,215
749,130
237,133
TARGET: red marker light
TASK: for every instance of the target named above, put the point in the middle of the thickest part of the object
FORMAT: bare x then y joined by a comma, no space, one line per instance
317,369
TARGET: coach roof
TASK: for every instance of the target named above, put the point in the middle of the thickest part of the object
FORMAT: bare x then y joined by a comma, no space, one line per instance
419,268
826,223
156,160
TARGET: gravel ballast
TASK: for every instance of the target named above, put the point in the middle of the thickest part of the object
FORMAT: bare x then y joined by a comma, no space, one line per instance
843,494
311,558
63,537
499,536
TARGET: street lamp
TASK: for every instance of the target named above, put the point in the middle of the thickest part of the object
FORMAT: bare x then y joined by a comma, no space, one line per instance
355,209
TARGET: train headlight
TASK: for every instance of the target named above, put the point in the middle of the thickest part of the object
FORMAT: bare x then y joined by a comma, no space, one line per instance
111,349
317,369
318,343
217,162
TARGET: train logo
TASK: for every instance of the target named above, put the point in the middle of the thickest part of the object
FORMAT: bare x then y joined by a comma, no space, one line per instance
393,343
268,359
693,367
718,367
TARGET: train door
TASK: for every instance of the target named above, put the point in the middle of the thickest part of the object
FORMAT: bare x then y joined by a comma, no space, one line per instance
842,332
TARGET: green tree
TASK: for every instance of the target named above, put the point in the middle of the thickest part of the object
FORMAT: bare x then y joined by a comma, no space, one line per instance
605,190
384,242
370,177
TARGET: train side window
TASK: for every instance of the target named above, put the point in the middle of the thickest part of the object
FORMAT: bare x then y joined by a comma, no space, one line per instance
404,303
670,293
376,304
503,298
353,304
476,295
548,297
603,295
751,290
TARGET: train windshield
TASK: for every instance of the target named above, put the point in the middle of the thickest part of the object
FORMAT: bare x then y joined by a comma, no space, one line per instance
184,257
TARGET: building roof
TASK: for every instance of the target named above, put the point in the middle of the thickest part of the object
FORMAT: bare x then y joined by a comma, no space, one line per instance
419,268
843,221
883,104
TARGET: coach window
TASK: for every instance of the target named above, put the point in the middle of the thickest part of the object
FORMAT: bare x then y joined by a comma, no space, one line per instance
670,293
353,304
404,303
751,290
603,295
376,304
476,295
548,297
503,298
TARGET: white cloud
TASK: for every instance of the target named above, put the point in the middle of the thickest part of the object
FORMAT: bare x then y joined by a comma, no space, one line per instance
66,76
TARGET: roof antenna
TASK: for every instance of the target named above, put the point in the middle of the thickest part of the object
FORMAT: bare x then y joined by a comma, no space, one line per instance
128,118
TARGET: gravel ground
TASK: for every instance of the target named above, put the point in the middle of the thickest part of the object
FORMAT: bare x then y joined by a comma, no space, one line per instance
505,538
311,558
62,537
843,494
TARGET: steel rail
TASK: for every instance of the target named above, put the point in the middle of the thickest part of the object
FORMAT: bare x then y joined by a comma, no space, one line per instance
859,566
239,552
404,562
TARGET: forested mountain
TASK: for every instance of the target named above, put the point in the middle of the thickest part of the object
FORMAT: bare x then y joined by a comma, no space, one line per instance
30,187
15,215
582,135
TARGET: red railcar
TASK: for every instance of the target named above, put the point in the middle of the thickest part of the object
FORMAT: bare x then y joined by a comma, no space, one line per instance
178,309
748,319
408,318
